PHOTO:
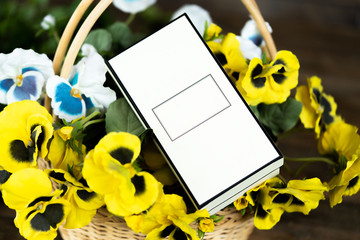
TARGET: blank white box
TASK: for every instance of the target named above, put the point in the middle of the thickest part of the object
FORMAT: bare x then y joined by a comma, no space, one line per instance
191,107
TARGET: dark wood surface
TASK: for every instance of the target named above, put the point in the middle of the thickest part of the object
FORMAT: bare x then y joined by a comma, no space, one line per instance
325,36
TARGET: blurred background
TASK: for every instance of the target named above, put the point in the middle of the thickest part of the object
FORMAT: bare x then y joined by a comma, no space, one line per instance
323,34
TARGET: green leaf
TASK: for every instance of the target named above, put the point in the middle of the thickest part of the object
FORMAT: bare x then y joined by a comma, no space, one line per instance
342,162
243,211
121,118
101,39
255,110
216,218
121,34
280,117
264,58
201,234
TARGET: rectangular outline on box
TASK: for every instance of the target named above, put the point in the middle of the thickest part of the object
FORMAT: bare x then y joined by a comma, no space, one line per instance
153,110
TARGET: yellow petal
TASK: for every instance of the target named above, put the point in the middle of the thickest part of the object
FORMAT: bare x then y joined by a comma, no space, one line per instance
78,217
340,137
308,115
353,186
136,197
266,219
43,223
87,199
212,32
97,177
161,232
25,186
335,195
17,151
65,132
345,176
183,229
123,147
141,223
12,118
241,203
44,131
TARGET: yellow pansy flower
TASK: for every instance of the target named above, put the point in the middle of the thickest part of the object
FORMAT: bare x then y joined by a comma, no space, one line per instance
241,203
62,155
319,108
266,213
43,220
270,83
212,32
253,196
303,195
25,135
83,201
206,225
39,211
341,138
229,55
166,218
108,171
346,182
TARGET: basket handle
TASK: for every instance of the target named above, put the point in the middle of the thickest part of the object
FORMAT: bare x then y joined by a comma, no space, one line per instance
78,40
81,35
254,11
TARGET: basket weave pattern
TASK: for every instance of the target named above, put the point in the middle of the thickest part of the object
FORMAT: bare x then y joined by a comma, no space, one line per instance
108,227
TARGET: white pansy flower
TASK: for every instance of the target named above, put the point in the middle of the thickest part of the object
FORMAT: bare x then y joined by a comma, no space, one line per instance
71,98
23,74
48,22
248,48
198,15
87,50
133,6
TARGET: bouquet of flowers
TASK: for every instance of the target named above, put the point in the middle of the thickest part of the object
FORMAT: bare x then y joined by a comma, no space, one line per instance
70,144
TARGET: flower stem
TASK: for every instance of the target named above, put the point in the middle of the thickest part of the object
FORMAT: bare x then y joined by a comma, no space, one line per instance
311,159
282,178
56,36
93,122
89,117
130,19
299,170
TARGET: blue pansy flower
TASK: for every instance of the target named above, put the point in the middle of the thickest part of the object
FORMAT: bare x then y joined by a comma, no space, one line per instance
22,75
72,97
133,6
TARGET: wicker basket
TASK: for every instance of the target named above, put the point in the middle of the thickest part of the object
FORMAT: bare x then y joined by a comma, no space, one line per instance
106,227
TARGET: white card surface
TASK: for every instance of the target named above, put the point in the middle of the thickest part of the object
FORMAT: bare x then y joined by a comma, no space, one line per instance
202,125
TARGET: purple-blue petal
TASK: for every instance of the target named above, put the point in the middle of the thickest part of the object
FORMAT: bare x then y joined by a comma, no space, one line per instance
21,94
6,84
74,80
69,104
88,103
256,39
29,85
28,69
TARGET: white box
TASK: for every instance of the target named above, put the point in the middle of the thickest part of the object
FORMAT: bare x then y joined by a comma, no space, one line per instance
202,125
